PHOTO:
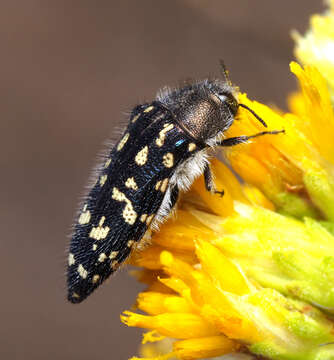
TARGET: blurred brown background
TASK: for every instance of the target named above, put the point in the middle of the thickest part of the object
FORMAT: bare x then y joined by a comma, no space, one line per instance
69,70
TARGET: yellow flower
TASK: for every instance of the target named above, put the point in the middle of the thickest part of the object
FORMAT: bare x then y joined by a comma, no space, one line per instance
317,46
253,271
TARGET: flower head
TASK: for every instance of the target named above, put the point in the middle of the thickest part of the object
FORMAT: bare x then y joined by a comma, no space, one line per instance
253,271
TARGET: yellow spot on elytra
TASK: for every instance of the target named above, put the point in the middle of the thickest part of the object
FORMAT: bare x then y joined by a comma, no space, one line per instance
149,219
157,185
142,156
95,279
71,260
107,163
164,185
129,215
113,254
114,264
135,118
84,217
123,141
162,134
168,160
150,108
75,295
191,147
143,218
94,247
130,243
103,179
102,257
82,271
99,232
117,195
131,183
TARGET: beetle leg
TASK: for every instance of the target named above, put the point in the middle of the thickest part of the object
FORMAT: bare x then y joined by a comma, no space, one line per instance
209,183
243,138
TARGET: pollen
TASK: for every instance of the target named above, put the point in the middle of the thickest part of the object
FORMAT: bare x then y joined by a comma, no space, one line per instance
84,216
162,134
94,247
82,271
99,232
131,183
71,260
123,141
141,157
129,215
168,160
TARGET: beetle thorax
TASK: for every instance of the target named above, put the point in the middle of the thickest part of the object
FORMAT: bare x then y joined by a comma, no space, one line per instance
199,110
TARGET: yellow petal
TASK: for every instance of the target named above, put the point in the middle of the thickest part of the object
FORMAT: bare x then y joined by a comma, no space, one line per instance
151,337
204,347
256,197
316,46
149,257
175,325
174,283
178,236
221,270
155,303
210,300
320,125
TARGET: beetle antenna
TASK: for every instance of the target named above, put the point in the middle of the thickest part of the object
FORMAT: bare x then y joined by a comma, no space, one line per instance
254,113
224,71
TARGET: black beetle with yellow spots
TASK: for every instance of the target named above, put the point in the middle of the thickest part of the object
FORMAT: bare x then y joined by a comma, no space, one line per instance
163,149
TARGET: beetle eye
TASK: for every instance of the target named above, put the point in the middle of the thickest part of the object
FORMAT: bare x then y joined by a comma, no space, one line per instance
222,97
229,100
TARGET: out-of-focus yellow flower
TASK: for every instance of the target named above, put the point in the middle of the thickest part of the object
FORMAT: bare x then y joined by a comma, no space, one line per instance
252,271
317,46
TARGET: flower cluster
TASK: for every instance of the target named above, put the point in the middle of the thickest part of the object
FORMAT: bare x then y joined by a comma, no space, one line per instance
252,272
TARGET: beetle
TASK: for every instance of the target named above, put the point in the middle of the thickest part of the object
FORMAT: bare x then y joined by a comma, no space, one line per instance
162,150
